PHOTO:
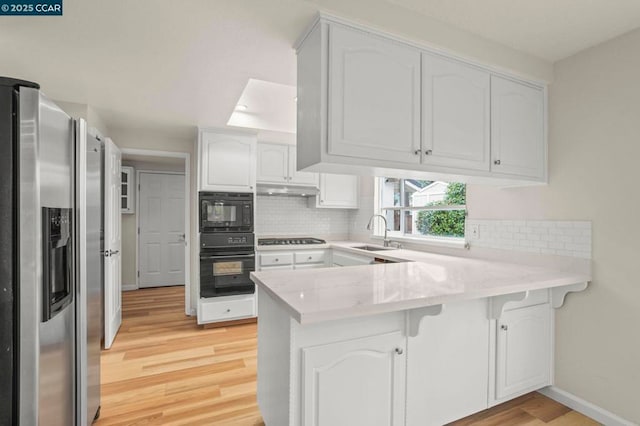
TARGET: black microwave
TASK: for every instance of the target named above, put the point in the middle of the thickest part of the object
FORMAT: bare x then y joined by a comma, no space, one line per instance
226,212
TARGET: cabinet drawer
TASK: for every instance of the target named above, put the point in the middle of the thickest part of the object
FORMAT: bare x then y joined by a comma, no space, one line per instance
211,310
536,297
267,259
309,257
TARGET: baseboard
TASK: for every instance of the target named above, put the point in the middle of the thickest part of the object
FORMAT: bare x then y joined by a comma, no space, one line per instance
585,407
129,287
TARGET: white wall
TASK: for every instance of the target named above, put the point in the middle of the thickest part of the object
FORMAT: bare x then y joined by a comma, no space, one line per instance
158,141
594,149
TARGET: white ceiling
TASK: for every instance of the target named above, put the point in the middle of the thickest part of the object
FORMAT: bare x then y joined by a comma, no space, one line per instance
266,106
549,29
174,65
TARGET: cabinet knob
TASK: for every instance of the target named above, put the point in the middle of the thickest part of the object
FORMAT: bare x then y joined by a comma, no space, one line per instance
496,162
428,152
277,260
228,310
321,201
399,351
417,151
285,178
310,258
504,327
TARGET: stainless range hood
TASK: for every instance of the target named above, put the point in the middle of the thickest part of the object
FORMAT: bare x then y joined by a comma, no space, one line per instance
286,190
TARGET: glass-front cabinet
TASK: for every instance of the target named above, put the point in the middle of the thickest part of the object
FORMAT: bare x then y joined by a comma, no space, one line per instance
128,190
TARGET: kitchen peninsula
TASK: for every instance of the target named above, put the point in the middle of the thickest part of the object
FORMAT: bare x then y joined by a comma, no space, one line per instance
423,340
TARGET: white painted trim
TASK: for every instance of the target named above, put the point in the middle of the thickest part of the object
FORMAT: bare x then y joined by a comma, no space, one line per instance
187,215
578,404
129,287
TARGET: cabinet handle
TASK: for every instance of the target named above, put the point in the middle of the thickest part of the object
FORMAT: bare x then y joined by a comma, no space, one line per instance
428,152
399,351
417,151
228,310
277,259
310,258
496,162
504,327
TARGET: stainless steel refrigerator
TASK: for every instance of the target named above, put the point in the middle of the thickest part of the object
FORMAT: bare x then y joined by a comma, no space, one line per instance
51,262
37,259
90,237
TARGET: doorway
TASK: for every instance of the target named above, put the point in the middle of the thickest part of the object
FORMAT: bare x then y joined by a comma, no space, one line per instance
156,228
161,231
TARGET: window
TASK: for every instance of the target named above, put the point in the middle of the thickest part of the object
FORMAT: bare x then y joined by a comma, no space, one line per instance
422,208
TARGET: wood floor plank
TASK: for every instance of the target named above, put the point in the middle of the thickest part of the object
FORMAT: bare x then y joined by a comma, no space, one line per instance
164,369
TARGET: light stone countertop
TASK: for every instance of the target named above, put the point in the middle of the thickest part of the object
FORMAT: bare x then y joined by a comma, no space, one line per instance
420,279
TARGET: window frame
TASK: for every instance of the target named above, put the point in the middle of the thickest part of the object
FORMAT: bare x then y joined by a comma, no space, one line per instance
402,236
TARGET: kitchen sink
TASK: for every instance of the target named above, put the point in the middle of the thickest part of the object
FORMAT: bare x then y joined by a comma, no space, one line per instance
373,248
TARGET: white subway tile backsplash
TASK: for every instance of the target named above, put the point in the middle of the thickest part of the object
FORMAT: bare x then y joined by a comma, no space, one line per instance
276,215
564,238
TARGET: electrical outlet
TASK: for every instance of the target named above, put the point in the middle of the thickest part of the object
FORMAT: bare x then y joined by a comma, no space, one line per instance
475,232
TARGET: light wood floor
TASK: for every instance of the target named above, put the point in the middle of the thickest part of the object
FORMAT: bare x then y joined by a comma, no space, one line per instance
163,369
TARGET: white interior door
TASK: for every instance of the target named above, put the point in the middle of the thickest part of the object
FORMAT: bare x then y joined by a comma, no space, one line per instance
162,230
112,243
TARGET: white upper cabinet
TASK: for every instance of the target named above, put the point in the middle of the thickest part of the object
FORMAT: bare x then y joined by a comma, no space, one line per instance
517,129
296,177
273,163
373,104
277,165
227,162
455,114
374,97
338,191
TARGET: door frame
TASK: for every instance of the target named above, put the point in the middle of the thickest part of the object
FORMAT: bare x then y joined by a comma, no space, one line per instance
137,189
189,210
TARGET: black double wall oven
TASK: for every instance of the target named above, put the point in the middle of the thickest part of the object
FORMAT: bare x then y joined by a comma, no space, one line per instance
227,244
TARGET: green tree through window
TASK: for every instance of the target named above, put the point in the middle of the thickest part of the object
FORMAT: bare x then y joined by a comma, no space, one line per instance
445,223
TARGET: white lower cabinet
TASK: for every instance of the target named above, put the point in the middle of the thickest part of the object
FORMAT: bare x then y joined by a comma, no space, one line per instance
291,259
523,350
447,365
355,382
419,367
215,309
348,259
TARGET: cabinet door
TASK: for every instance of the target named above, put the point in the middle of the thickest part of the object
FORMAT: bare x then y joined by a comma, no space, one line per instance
517,129
523,355
374,97
296,177
338,191
455,114
447,371
227,162
273,163
355,382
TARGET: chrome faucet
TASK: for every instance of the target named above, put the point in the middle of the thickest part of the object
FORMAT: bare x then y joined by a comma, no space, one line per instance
386,241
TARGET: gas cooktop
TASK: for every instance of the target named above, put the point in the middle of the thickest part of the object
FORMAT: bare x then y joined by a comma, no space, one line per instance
289,241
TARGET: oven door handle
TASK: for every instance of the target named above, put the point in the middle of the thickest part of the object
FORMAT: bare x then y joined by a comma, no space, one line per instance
227,257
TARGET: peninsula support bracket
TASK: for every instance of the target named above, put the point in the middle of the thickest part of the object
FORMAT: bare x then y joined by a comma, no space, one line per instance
416,316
